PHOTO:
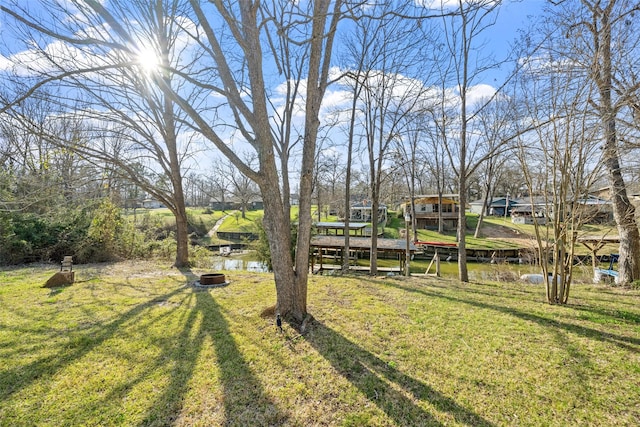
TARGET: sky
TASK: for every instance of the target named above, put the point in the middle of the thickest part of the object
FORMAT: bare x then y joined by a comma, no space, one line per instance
512,16
498,40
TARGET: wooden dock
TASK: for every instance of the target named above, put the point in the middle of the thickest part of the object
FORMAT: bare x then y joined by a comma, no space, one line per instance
335,244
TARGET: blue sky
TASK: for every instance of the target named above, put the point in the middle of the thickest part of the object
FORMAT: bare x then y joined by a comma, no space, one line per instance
512,16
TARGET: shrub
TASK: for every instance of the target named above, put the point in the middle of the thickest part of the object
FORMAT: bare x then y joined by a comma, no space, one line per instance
200,257
106,231
27,237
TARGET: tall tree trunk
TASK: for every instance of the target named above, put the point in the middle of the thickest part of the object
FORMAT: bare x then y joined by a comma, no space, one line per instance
347,208
483,210
182,238
179,211
623,210
373,254
414,221
440,217
289,302
320,49
347,190
463,274
286,187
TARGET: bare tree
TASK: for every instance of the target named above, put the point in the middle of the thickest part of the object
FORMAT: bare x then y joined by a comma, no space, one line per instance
408,151
495,127
328,177
595,43
241,188
564,146
387,95
462,33
438,121
607,38
40,174
334,171
218,186
119,82
311,27
353,81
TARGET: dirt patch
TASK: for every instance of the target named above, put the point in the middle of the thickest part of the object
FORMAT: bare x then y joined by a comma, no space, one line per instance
129,269
506,234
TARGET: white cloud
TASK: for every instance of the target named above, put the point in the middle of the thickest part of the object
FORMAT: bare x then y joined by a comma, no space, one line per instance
55,56
480,93
336,99
543,64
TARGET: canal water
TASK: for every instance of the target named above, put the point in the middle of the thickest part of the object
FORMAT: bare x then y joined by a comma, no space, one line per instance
246,262
477,271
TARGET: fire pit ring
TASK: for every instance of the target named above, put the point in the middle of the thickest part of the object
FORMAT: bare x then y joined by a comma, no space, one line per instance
212,279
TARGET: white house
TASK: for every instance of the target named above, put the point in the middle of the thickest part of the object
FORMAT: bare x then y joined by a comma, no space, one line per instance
152,204
362,213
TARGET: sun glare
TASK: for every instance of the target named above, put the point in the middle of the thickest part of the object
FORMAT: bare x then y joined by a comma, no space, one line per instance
148,60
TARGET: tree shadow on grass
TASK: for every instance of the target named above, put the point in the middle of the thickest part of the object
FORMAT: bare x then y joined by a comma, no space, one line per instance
243,397
245,402
628,343
394,392
605,315
22,376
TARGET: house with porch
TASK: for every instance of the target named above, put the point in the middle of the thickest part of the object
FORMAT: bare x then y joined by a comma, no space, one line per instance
428,210
589,209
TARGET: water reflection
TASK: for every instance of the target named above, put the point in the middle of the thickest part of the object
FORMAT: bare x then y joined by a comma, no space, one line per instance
239,264
476,271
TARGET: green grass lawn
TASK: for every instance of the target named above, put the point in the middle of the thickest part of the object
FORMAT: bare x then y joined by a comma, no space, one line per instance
234,222
136,344
203,215
195,213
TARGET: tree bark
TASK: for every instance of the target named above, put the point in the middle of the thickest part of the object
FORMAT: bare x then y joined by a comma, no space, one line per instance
319,59
623,210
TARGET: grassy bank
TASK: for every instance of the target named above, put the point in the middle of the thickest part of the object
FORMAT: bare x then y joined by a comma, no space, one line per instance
136,344
197,215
